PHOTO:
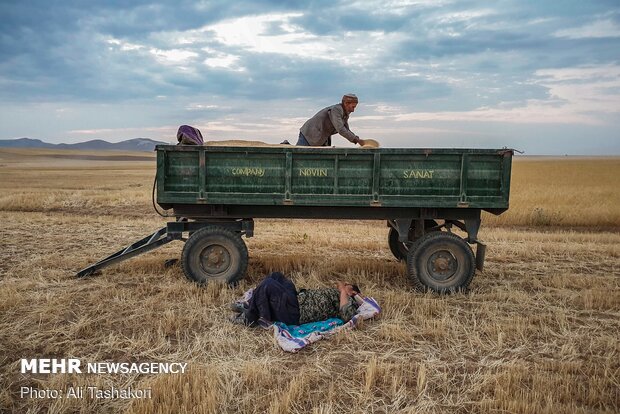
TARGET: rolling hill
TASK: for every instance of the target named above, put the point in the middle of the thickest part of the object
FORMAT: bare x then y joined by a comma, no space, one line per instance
135,144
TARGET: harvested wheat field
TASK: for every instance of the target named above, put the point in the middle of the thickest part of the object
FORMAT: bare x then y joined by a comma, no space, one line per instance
537,332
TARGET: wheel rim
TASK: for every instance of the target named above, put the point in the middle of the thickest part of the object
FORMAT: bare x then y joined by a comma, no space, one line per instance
442,265
215,259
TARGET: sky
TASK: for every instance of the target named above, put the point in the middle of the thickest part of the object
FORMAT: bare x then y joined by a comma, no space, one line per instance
539,76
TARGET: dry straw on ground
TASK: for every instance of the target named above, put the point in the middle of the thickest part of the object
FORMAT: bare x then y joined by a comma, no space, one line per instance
536,333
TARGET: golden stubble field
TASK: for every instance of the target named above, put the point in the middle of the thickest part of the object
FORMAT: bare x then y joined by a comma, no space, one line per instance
538,331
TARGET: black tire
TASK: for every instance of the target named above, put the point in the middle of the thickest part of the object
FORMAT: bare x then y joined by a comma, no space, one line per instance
400,249
215,254
442,262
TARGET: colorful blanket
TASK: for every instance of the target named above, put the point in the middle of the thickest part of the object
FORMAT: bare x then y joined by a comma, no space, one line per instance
299,331
292,338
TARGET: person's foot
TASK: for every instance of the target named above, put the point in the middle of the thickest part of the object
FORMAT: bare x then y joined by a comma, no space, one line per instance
237,307
240,319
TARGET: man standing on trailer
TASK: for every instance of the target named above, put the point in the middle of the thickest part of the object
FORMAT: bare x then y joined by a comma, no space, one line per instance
318,130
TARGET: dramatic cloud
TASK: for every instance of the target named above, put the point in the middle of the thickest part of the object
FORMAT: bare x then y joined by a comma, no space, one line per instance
539,77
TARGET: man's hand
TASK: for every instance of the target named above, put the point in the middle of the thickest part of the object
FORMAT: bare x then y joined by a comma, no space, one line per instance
345,288
360,142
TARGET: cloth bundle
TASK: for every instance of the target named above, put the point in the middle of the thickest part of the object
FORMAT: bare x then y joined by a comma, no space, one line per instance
188,135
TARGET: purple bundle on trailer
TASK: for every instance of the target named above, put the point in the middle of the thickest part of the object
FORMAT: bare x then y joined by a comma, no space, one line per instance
187,135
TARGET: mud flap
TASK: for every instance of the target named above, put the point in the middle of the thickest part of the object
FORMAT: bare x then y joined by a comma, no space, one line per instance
480,253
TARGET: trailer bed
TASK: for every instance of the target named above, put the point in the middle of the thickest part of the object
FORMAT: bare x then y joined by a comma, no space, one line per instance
274,180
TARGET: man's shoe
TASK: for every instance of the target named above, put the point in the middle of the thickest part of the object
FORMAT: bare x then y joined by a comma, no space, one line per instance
238,319
237,307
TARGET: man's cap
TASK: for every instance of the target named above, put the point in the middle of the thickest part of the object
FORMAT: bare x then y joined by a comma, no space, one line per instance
349,97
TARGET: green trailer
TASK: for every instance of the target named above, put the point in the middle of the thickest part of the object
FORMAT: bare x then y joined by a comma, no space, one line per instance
216,192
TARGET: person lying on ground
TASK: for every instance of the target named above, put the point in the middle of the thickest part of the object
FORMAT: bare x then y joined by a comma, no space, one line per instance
275,299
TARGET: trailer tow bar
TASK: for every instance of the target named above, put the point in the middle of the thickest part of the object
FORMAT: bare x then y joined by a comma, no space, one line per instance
151,242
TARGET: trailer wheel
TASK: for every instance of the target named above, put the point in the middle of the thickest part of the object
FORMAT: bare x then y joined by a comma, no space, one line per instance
214,254
442,262
400,249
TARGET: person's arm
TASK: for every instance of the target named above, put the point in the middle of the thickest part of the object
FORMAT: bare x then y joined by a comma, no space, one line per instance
348,311
336,115
344,293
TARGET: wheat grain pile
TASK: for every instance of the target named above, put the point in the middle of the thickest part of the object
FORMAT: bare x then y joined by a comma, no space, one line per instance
242,143
371,143
368,143
536,333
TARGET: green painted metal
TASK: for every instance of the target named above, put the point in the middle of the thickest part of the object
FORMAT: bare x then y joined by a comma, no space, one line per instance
302,176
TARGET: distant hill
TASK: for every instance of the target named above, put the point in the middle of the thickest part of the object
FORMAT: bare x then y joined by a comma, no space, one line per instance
135,144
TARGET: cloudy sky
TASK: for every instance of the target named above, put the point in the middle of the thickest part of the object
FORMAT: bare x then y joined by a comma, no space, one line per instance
539,76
